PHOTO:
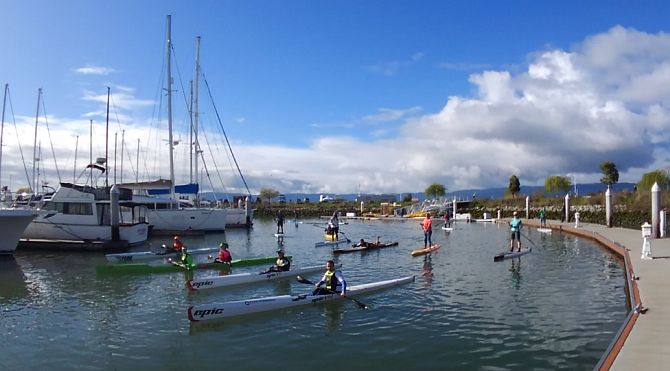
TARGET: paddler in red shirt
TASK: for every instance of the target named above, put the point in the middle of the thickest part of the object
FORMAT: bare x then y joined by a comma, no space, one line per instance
427,226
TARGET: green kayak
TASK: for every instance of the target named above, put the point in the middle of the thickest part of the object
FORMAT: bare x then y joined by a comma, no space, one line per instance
162,268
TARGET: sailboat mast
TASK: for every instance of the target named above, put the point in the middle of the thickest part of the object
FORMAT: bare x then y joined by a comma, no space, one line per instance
2,127
37,115
169,101
74,169
107,142
196,115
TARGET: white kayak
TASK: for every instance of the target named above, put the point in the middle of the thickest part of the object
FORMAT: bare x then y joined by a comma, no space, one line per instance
241,278
331,243
131,257
544,230
204,312
511,254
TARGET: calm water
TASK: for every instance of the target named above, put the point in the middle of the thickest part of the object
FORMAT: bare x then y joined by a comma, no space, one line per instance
556,308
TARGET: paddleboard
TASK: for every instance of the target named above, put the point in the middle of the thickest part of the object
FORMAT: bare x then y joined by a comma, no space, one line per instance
544,230
509,254
448,229
279,235
426,250
331,243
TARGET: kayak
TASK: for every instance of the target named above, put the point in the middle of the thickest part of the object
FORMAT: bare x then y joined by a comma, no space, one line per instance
544,230
331,243
426,250
508,254
151,255
364,248
241,278
204,312
162,268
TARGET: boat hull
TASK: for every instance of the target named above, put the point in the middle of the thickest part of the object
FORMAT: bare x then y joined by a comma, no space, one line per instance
186,220
508,255
213,311
131,268
151,255
357,249
13,223
244,278
331,243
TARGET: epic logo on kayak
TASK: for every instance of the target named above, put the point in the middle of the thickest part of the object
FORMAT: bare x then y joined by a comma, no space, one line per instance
207,312
197,285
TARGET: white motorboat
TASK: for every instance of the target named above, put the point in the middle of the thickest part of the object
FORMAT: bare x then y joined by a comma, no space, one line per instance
84,217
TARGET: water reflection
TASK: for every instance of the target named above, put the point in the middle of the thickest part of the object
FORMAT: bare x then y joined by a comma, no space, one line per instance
12,279
515,268
334,313
427,272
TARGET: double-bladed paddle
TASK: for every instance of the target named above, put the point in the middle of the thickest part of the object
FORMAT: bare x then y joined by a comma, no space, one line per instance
308,282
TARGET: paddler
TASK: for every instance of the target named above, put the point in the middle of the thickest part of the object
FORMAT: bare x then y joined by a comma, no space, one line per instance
282,264
177,244
185,260
515,226
333,280
224,254
334,224
427,226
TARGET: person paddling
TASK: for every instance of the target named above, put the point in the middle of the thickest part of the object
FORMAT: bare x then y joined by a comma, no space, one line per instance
333,280
334,225
515,225
427,226
177,244
224,254
280,222
185,260
282,264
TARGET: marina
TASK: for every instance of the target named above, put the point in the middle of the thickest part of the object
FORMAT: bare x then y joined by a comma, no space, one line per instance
475,313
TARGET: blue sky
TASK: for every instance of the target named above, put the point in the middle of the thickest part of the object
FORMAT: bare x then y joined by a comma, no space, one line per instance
337,96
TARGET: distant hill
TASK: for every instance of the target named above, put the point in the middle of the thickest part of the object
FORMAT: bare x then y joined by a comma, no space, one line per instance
466,194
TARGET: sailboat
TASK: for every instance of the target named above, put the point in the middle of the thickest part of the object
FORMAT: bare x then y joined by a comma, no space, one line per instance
167,214
12,221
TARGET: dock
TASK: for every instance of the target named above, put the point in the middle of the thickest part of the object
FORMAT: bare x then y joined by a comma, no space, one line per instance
642,342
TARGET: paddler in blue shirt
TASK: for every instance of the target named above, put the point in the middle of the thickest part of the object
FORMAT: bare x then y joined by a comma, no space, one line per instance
515,225
334,281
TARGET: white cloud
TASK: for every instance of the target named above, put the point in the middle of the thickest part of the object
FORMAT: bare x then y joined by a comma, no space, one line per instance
393,67
94,70
606,99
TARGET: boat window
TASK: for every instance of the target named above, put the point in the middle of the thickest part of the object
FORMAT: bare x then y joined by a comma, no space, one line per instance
70,208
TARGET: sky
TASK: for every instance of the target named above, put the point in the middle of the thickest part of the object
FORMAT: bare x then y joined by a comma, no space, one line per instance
338,97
